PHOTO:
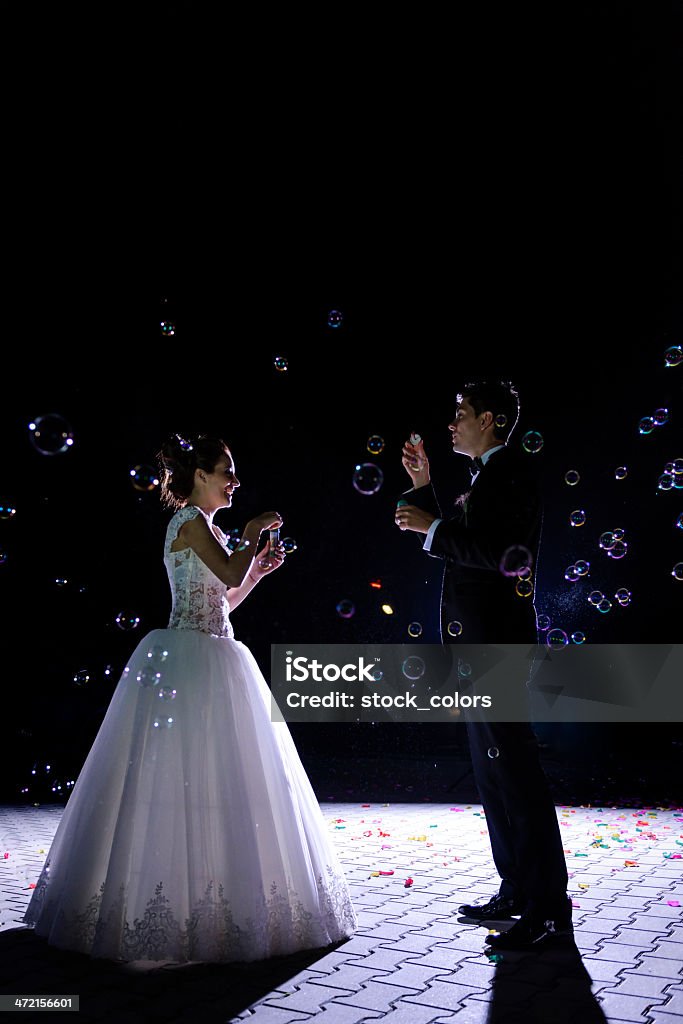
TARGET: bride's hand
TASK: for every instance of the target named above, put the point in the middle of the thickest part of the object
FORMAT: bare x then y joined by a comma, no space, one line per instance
268,561
266,521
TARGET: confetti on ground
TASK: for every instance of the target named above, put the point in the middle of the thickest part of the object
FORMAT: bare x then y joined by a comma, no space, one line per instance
421,882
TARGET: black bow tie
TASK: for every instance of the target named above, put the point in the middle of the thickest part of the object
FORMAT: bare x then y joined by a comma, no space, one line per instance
477,465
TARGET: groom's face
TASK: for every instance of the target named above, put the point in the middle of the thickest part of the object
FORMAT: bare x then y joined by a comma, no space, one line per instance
465,430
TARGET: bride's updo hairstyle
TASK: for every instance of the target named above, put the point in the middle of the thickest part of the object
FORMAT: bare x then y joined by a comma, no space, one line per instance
178,460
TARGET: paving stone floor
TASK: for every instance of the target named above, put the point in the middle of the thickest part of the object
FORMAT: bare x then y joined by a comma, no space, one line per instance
413,959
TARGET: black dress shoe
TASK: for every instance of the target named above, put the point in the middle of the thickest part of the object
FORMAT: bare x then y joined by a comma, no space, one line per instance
534,931
497,909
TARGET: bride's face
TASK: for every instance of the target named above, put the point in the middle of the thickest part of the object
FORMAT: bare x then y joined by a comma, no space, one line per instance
223,481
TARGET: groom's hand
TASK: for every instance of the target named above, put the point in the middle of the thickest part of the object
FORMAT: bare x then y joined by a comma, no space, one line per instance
416,463
409,517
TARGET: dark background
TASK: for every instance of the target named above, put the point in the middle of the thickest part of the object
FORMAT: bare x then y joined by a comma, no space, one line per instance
538,239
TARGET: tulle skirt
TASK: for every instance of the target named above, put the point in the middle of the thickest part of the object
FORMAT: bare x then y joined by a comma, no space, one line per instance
192,832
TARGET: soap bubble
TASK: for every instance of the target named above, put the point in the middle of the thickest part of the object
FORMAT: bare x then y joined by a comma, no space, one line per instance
619,549
524,588
556,639
515,559
289,544
167,328
677,466
582,567
660,416
607,540
7,511
665,482
377,674
127,621
167,693
532,442
335,318
415,629
677,571
618,534
148,676
578,637
346,609
543,622
604,605
157,655
679,521
493,752
51,434
673,355
144,478
455,628
595,597
375,444
413,667
280,363
501,420
163,722
571,574
233,539
578,517
464,669
623,596
82,677
621,472
572,477
646,425
368,478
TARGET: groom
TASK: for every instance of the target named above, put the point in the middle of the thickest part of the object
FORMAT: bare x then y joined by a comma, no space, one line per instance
500,515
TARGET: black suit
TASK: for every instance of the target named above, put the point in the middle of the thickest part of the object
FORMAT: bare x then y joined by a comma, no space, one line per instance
502,511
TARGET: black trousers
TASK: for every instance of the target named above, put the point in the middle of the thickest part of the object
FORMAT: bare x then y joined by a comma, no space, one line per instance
520,814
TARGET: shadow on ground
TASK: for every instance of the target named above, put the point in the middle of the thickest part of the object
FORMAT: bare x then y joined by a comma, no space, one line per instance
138,992
539,987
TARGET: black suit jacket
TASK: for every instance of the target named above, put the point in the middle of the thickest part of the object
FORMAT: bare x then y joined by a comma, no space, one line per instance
503,510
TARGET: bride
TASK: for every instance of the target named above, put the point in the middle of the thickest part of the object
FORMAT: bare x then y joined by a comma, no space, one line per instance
192,832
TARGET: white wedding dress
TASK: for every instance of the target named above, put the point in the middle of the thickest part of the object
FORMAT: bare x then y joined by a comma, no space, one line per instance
192,832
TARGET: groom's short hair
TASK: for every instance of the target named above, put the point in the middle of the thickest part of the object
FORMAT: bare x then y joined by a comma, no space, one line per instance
500,398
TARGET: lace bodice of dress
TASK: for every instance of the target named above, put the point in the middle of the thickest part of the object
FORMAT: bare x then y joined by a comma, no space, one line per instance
199,597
